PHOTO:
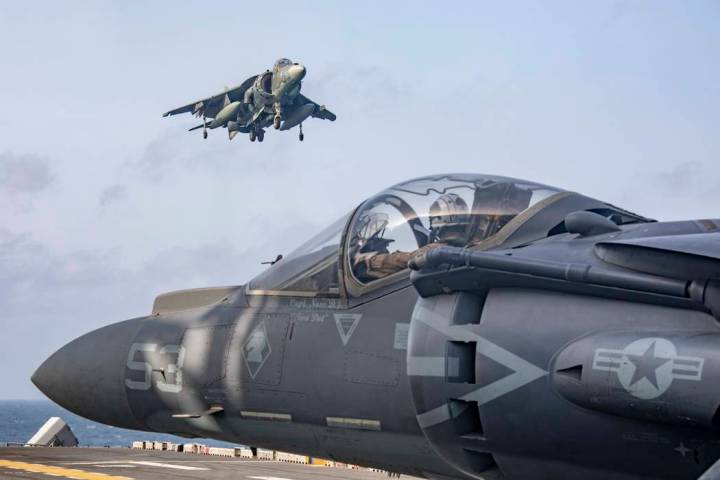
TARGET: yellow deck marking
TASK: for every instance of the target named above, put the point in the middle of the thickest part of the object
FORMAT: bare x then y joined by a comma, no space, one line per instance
58,471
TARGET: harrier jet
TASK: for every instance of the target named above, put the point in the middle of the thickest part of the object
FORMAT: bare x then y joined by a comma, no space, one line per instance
455,326
271,98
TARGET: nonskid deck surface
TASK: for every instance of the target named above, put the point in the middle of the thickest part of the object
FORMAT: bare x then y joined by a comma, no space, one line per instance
125,463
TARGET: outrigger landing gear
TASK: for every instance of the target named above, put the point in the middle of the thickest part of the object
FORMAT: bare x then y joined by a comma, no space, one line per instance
301,137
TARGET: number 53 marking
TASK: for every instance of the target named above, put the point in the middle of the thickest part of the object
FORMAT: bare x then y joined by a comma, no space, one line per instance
174,369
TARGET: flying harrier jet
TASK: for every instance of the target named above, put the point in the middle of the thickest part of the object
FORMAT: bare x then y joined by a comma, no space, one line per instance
454,326
271,98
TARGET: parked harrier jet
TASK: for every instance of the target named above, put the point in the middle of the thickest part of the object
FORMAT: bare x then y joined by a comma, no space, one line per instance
538,334
271,98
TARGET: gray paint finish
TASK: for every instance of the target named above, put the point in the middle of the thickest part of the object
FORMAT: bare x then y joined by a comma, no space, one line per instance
528,358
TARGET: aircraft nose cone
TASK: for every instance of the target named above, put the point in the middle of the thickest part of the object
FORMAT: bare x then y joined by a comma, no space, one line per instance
86,375
297,72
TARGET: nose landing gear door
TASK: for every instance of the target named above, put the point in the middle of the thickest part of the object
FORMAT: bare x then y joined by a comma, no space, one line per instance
204,366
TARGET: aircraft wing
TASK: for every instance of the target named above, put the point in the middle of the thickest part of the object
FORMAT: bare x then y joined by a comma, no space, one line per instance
687,256
210,106
319,111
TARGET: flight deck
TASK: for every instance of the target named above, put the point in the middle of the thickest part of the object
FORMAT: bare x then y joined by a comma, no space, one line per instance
126,463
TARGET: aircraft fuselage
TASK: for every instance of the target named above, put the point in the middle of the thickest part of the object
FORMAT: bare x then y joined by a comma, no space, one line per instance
560,357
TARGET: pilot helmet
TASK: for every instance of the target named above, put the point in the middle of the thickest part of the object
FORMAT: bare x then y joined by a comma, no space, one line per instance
449,218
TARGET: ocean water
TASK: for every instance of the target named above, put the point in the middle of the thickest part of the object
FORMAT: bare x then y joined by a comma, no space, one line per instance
20,419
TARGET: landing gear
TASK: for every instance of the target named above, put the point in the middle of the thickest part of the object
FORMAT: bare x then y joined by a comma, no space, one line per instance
204,133
301,137
261,135
253,135
278,115
204,127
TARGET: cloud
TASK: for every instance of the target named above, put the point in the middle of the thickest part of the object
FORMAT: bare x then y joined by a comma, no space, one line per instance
24,174
681,179
48,297
365,89
675,192
158,156
28,267
176,149
113,194
76,285
354,94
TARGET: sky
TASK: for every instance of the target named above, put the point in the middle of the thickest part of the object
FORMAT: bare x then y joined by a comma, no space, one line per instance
104,204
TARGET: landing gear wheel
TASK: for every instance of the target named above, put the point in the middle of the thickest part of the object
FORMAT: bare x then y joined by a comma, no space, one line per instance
260,136
276,122
204,133
253,135
301,137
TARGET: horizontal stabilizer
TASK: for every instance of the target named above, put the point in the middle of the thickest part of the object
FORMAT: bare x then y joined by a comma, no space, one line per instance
689,257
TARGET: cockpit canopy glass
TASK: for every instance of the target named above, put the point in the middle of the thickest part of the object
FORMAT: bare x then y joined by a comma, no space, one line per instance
311,269
283,62
464,210
412,217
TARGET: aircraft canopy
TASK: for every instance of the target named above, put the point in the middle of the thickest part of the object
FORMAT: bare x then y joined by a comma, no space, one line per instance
466,210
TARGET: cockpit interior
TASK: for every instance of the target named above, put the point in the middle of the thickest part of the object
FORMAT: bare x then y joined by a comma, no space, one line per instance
370,247
283,62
